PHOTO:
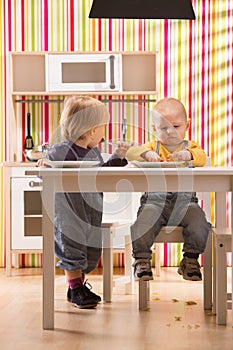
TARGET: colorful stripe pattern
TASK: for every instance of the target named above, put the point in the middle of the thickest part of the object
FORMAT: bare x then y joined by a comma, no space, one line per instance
195,65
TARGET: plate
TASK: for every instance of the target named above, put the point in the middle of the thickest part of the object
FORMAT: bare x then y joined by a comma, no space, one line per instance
70,164
158,164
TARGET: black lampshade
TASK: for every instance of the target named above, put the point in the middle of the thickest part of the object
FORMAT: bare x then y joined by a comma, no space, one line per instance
147,9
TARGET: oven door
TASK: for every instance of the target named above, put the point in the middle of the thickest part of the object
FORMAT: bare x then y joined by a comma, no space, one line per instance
83,72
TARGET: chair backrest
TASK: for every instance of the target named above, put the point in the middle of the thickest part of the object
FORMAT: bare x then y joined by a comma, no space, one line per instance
121,206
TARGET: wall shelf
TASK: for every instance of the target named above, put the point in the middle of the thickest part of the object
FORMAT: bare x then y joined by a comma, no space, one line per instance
135,100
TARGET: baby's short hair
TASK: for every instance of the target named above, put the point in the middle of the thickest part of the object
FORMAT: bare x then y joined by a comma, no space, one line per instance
80,114
170,102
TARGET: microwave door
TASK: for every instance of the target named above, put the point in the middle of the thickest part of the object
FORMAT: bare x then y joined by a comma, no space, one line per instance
85,73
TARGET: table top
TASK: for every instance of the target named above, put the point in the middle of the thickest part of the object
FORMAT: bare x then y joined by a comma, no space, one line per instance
19,164
207,170
126,179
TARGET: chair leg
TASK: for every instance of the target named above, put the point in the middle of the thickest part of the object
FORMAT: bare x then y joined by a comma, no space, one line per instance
129,287
143,289
8,263
214,276
157,259
16,261
221,283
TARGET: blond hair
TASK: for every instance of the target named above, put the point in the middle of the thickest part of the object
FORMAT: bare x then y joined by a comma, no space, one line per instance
80,114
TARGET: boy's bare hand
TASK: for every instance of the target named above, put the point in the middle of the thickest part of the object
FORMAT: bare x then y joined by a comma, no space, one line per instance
152,156
39,163
183,155
122,148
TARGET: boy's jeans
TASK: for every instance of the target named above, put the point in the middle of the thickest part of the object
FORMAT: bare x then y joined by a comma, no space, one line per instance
169,209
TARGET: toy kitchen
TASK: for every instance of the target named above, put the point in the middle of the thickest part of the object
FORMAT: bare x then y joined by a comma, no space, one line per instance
40,81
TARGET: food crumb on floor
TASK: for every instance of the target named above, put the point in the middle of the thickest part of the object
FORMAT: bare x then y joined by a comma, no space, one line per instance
178,318
174,300
190,302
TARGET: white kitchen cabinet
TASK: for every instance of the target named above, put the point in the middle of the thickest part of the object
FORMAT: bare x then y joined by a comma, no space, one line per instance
26,214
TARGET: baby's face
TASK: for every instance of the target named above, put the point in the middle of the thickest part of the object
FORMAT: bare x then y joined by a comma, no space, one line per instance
171,127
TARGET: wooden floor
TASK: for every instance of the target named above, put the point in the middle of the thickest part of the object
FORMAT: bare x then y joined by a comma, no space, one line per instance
170,323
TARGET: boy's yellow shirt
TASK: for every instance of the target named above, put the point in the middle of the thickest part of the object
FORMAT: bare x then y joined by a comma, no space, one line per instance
198,154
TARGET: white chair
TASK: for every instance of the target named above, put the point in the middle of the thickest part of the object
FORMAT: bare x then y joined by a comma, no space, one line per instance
174,235
119,213
111,231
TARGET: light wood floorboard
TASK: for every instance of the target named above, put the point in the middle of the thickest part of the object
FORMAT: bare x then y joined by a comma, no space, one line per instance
169,324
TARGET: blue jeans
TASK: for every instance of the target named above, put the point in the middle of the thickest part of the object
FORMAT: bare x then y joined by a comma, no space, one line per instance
169,209
77,230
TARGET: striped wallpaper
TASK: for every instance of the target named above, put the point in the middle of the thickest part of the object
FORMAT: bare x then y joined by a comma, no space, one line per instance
195,65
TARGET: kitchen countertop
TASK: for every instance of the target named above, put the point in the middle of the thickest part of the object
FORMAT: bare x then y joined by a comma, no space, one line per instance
19,164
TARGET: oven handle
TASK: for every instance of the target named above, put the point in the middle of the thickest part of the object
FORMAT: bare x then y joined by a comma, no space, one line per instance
112,82
35,184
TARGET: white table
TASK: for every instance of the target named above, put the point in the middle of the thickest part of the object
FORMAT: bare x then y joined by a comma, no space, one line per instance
115,179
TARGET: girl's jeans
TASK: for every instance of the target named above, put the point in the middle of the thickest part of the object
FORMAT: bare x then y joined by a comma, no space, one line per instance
78,232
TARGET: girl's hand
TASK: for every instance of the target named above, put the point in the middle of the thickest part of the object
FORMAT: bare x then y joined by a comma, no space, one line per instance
152,156
122,148
183,155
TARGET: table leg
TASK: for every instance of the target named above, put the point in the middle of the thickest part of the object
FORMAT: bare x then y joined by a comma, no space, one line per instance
48,254
208,274
221,283
107,263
